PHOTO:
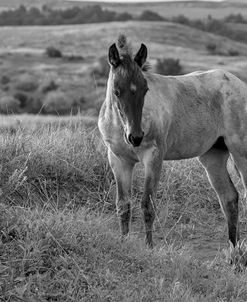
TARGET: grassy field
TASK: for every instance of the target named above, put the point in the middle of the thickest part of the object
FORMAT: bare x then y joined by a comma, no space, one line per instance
59,237
30,73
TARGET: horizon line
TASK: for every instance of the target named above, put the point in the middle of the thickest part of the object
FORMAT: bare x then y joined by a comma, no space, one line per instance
148,1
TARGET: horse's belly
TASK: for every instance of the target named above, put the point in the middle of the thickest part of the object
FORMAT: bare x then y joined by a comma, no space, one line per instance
190,147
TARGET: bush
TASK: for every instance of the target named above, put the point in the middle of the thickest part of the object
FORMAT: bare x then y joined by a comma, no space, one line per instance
233,52
211,47
169,66
9,104
22,97
148,15
5,80
48,85
28,103
53,52
27,83
57,102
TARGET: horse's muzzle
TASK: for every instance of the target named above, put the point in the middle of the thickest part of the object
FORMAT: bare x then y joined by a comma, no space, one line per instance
135,141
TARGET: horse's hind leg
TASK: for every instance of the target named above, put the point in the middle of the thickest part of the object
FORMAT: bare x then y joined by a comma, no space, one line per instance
241,165
215,163
122,171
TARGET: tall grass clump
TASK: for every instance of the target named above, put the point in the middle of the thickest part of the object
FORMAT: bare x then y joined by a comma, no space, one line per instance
9,104
57,160
59,238
59,102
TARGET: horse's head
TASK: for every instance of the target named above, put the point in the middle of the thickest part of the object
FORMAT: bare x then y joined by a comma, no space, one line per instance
128,87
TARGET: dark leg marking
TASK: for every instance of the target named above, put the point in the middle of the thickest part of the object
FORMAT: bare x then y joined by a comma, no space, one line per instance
148,212
232,208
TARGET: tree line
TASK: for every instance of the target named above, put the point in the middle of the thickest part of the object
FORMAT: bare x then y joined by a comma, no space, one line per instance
48,16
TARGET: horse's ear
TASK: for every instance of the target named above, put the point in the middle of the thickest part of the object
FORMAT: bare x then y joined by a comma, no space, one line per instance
113,56
141,55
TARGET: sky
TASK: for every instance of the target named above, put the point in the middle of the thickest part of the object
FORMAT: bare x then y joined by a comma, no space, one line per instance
144,0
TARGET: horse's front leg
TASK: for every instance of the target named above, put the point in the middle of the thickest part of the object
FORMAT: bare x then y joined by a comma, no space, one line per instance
122,170
152,160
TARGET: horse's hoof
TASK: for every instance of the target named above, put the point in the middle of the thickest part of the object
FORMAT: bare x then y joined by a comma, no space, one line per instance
150,245
237,255
124,237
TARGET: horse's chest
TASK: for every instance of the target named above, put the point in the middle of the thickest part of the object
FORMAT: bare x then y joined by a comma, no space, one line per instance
113,136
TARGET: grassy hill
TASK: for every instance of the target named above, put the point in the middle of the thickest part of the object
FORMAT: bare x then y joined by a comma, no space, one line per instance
59,236
23,59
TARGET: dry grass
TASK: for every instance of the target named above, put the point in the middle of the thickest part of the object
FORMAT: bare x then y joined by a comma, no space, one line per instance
23,59
59,237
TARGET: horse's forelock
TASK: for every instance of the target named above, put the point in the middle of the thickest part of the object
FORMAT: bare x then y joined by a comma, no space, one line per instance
124,47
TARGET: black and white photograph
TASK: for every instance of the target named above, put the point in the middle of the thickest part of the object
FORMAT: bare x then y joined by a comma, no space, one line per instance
123,151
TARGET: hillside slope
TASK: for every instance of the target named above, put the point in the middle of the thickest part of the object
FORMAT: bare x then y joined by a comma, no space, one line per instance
22,55
60,240
92,41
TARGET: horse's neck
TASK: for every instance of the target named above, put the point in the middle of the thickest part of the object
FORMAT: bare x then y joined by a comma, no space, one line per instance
111,112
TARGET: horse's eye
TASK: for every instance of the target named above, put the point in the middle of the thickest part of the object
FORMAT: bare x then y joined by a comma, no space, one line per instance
146,90
117,93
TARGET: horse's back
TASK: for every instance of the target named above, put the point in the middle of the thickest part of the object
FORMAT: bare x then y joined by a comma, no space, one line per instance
201,107
228,102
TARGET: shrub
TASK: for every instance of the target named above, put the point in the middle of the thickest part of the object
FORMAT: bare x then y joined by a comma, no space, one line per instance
211,47
57,102
22,97
9,104
53,52
169,66
148,15
5,80
48,85
233,52
27,83
5,88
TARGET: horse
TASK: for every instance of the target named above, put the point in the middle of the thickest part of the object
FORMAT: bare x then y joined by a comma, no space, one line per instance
148,118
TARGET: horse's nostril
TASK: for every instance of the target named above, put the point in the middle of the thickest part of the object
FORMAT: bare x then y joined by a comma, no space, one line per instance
135,140
130,138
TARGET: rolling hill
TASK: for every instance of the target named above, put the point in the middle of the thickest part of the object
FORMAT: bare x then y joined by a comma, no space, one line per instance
22,55
59,238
